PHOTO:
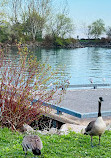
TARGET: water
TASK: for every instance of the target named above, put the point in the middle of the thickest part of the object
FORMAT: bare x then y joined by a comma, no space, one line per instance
81,64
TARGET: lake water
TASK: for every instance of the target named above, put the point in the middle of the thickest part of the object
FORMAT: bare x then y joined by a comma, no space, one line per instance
81,64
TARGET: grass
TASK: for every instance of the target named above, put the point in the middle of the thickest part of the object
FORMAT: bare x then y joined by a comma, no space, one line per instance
70,146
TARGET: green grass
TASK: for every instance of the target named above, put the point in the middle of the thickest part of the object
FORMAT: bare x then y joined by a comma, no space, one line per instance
70,146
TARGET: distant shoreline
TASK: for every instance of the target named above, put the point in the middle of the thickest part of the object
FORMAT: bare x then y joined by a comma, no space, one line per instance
78,44
102,45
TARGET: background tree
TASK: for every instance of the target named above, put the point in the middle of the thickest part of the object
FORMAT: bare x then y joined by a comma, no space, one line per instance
108,32
4,31
60,27
96,28
15,7
16,32
4,25
34,19
37,14
63,26
86,30
34,25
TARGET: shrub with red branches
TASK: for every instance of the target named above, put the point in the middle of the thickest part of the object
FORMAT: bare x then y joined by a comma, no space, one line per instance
21,82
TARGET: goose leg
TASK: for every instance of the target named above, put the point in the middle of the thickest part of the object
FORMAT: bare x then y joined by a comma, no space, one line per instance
99,139
25,154
91,141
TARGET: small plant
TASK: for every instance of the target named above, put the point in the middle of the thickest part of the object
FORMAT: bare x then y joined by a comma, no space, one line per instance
21,82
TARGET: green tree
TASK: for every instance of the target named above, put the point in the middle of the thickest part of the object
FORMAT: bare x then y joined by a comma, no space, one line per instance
34,25
4,33
96,28
35,17
60,27
4,25
16,32
63,26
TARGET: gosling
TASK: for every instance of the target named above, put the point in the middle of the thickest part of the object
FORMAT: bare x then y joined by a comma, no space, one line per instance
33,143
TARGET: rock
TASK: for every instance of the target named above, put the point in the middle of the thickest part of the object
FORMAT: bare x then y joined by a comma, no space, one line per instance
39,131
27,128
66,128
50,131
44,132
53,131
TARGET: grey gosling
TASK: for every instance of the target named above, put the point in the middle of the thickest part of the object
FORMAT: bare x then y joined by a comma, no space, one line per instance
33,143
97,127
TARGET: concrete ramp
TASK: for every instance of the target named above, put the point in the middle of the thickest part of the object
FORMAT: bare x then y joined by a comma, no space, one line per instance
84,102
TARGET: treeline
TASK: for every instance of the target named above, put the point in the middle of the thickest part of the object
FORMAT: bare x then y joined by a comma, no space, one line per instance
34,20
41,22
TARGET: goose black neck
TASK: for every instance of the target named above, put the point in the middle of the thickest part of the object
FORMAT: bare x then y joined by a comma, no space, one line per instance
99,109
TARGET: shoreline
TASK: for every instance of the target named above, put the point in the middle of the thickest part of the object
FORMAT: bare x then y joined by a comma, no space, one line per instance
70,46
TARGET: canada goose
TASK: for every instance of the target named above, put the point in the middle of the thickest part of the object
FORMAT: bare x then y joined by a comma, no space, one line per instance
97,127
32,142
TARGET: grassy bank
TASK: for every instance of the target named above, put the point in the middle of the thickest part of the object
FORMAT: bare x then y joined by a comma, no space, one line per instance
71,146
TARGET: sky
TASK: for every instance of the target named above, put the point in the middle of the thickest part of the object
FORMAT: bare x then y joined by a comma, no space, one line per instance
84,12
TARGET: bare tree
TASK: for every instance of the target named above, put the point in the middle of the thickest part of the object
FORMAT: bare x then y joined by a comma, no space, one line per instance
108,32
15,7
86,30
